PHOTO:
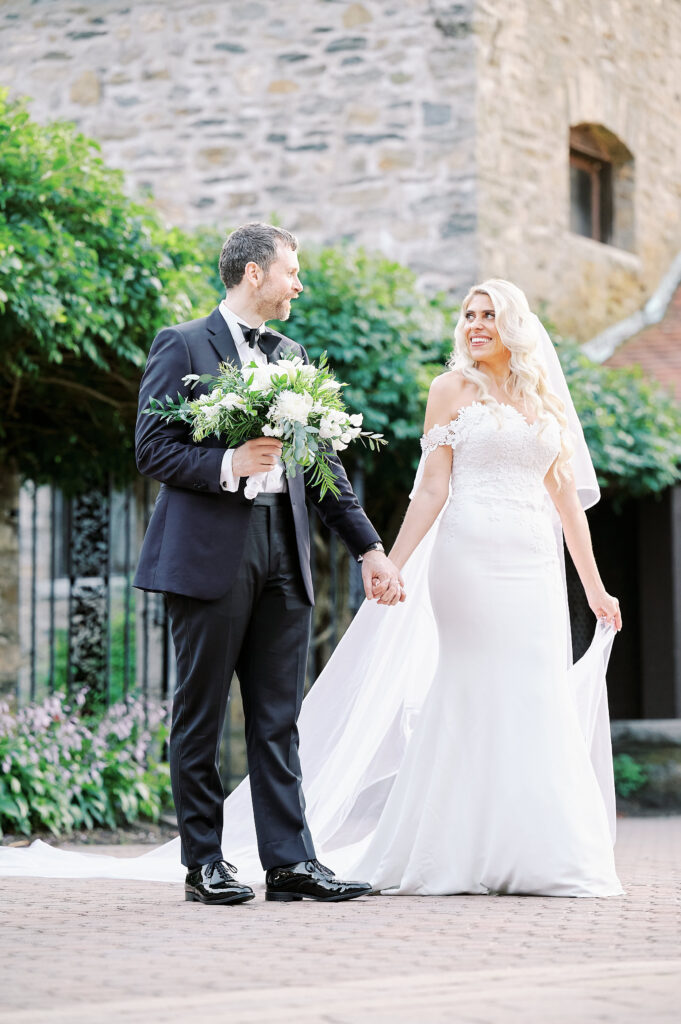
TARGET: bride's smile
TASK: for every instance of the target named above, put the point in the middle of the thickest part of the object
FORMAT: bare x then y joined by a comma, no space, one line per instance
482,336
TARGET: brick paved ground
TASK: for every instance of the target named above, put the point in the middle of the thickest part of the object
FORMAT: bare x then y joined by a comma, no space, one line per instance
96,951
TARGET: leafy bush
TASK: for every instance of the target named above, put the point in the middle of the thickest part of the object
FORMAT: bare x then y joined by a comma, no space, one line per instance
87,276
630,776
632,426
63,770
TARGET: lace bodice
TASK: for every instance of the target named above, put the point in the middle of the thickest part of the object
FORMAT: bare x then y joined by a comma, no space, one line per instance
498,456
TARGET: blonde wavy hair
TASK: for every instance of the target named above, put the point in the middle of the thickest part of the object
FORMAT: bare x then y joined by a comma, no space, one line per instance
527,385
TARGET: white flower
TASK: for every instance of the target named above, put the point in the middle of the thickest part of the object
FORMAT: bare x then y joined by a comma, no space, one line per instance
290,367
329,385
232,401
292,406
262,376
338,446
189,377
326,428
269,431
356,419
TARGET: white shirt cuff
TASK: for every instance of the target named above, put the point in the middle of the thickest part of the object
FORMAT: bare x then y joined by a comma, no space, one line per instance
228,481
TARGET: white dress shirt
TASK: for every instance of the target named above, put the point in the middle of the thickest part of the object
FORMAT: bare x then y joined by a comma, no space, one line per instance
273,482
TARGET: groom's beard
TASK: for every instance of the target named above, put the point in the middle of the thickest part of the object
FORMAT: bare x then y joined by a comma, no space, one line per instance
283,310
270,307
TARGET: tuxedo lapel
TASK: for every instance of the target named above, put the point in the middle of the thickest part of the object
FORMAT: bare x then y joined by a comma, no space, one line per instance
283,345
221,338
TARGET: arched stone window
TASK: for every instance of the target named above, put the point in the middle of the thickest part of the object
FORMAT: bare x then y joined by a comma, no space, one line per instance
601,186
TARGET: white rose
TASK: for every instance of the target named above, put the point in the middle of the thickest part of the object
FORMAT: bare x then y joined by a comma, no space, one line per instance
262,376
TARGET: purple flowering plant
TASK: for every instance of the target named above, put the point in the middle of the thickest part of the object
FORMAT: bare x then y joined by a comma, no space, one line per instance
63,769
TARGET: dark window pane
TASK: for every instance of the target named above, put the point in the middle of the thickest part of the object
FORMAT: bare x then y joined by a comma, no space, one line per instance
580,201
606,206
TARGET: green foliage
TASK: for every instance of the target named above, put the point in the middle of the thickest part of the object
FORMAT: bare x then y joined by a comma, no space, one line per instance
87,276
630,776
63,769
632,426
387,341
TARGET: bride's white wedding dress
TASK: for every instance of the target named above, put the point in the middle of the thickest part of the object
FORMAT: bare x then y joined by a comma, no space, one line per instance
496,792
446,747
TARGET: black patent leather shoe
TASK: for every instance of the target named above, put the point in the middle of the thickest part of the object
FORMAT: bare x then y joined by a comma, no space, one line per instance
215,883
310,880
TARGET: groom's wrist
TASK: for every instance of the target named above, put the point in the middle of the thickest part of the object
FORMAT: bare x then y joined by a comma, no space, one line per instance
376,546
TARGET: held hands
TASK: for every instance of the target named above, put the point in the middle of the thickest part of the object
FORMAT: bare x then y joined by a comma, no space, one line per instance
258,455
606,607
382,580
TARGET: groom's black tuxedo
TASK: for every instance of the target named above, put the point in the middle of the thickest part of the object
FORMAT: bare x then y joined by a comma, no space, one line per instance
237,579
194,541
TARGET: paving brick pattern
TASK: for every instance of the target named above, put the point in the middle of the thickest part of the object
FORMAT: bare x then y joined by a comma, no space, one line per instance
100,951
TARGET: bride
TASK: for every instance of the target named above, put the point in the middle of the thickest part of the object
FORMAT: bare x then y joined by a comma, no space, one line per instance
448,747
496,791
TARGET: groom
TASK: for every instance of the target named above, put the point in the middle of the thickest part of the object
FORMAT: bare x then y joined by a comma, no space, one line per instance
236,575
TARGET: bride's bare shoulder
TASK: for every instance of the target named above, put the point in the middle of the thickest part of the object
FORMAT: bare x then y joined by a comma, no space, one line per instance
451,390
447,394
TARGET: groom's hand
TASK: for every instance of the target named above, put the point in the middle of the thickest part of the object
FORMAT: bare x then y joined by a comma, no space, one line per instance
258,455
382,579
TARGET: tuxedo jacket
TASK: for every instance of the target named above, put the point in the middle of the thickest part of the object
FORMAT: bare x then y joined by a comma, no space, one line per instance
195,538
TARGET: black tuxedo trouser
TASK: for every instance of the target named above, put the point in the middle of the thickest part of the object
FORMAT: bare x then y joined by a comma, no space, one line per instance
260,630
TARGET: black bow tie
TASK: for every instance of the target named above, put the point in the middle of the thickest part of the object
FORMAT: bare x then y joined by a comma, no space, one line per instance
266,340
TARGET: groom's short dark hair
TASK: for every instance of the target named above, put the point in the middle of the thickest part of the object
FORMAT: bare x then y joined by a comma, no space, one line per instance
255,243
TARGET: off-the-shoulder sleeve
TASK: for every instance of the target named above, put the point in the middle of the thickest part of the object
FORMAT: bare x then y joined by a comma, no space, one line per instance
437,436
431,440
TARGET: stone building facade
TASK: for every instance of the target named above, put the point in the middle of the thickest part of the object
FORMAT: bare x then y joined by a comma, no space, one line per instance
435,131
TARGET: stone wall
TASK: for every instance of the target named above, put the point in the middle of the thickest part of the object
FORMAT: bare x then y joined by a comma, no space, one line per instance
544,65
342,119
433,130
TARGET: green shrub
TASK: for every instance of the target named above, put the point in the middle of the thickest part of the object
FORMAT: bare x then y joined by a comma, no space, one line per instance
63,770
630,776
632,426
87,277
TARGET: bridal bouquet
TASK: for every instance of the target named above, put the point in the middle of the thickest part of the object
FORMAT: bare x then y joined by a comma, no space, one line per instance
296,402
